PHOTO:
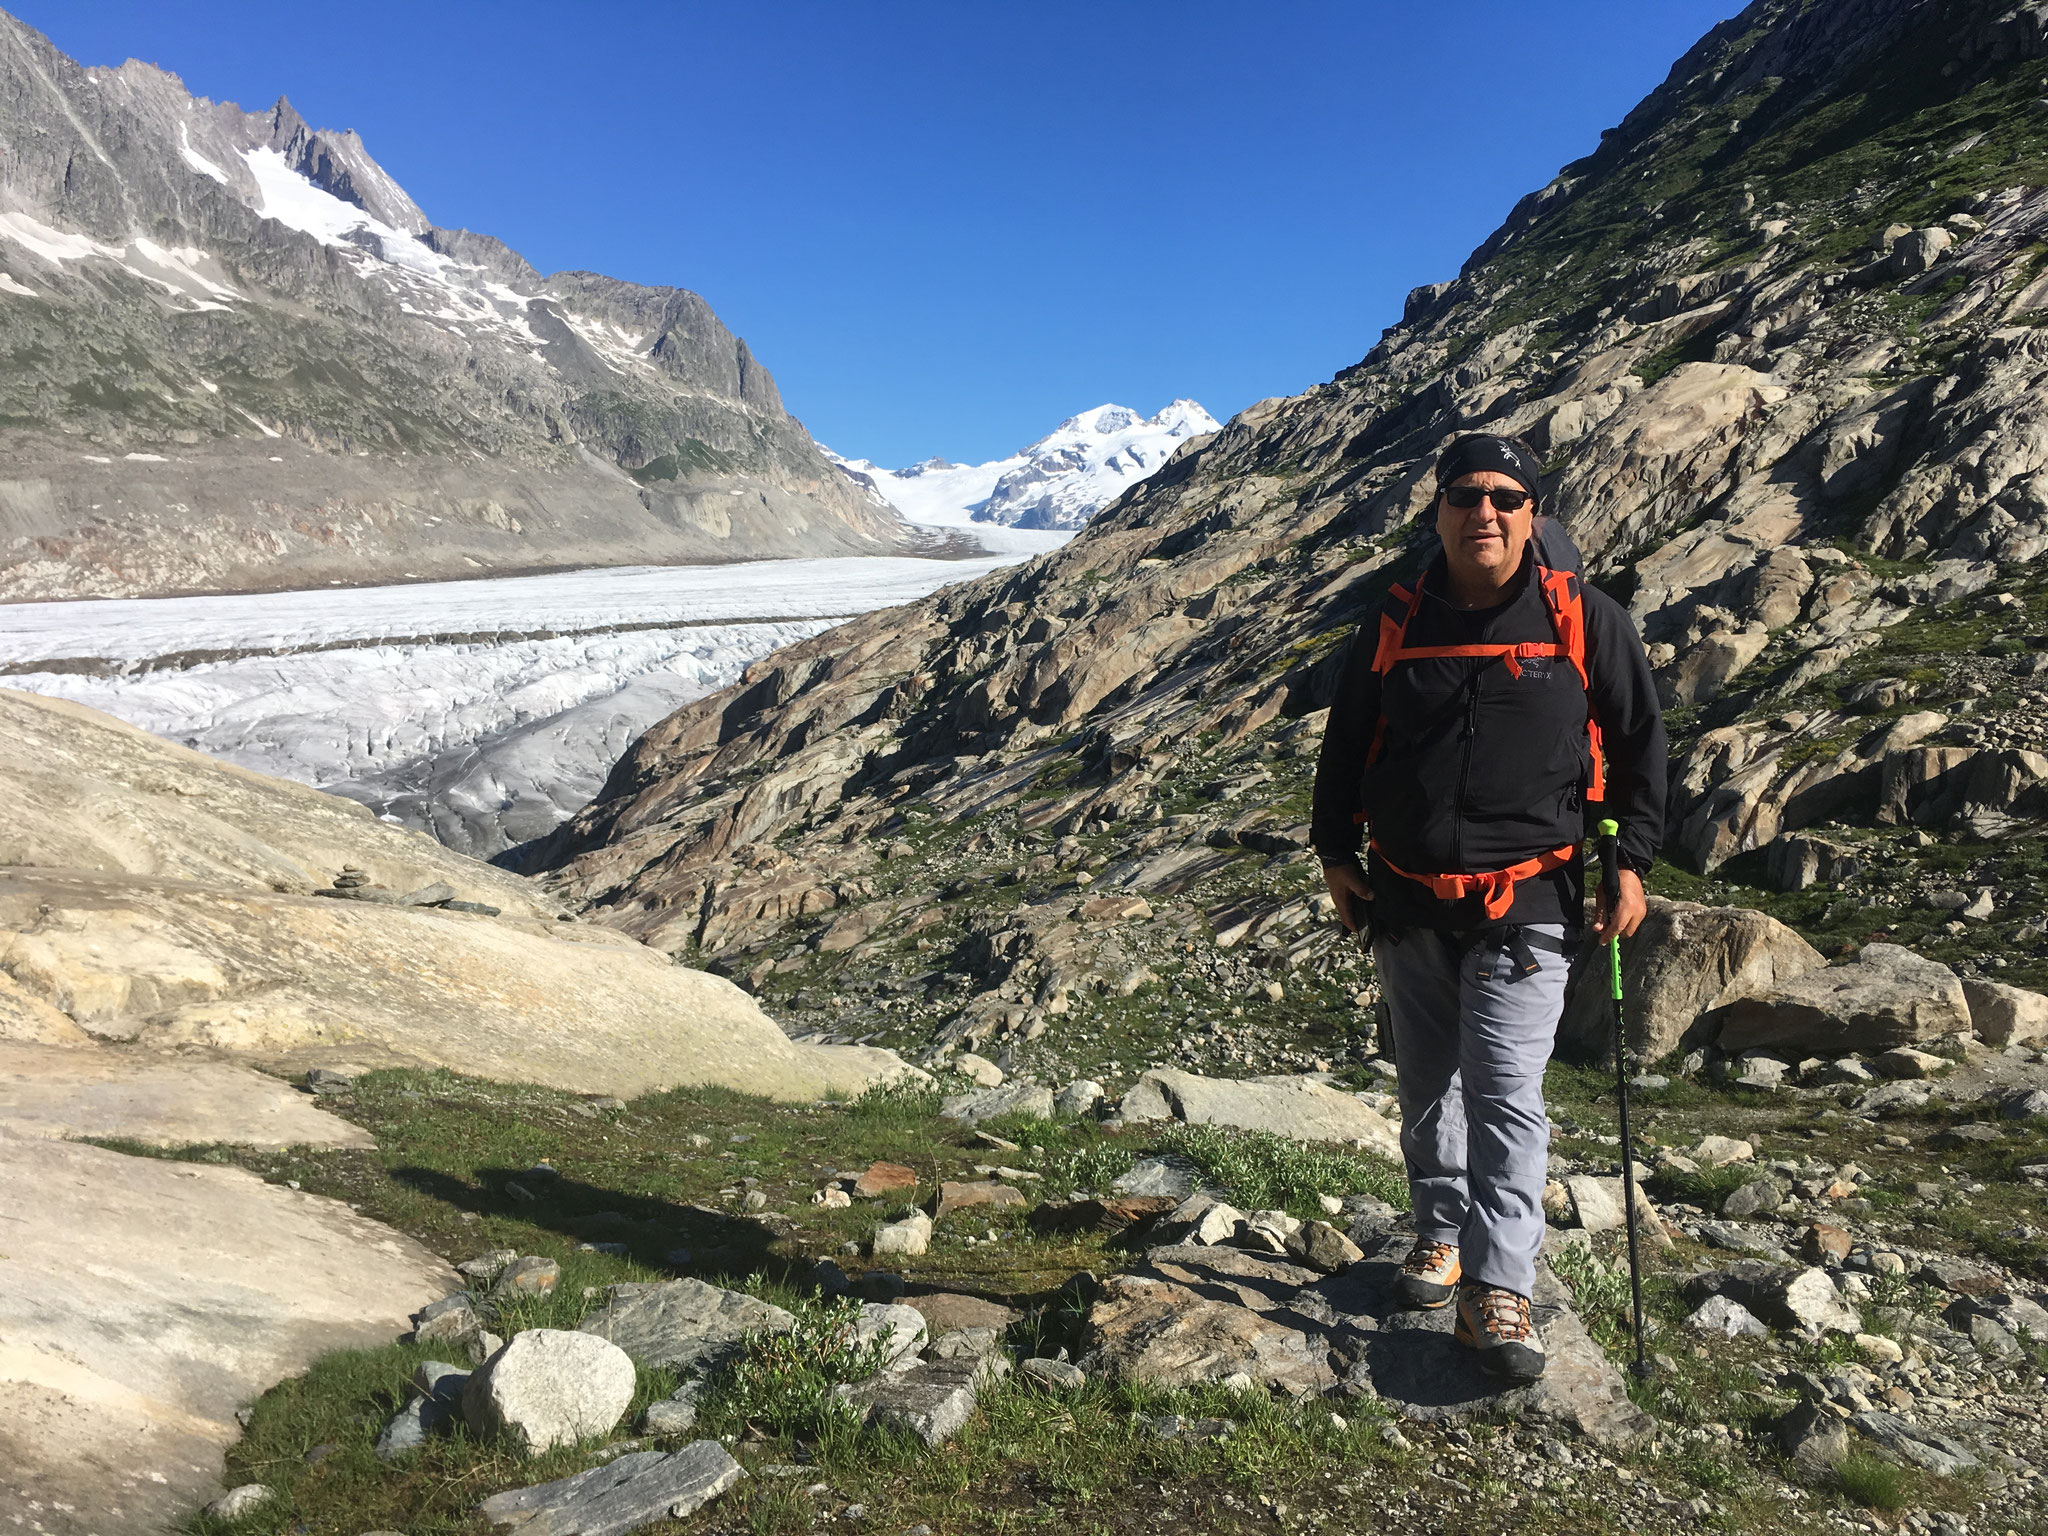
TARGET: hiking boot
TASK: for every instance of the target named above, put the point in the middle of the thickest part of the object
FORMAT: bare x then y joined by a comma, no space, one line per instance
1429,1275
1496,1323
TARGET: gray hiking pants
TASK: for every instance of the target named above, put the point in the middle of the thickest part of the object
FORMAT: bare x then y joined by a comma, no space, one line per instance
1470,1053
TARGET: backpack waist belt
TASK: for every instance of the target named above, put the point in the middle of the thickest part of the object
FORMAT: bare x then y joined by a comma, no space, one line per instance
1497,886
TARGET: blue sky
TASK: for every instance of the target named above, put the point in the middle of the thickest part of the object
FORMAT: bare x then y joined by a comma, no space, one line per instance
944,227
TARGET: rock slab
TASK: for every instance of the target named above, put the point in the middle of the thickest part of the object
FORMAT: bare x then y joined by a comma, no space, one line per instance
143,1301
66,1092
622,1495
1300,1108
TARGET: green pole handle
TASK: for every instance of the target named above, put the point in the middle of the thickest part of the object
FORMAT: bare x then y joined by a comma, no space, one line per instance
1610,890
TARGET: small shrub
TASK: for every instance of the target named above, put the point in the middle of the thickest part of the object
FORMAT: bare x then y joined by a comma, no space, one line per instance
783,1382
1602,1294
1872,1483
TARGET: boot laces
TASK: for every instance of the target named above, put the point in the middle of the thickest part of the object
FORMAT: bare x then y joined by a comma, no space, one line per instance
1427,1259
1503,1314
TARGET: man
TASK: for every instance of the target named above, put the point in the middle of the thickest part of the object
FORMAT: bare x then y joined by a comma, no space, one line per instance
1465,754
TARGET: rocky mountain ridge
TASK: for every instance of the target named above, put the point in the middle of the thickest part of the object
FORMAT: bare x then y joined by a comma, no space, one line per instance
240,357
1774,341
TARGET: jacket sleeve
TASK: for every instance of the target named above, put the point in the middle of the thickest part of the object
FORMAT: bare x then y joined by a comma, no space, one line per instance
1341,765
1624,698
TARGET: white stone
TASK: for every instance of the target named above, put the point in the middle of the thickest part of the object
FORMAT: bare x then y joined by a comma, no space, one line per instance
237,1502
907,1238
550,1387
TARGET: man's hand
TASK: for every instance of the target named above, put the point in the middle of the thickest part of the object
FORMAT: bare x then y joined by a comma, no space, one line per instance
1628,914
1347,885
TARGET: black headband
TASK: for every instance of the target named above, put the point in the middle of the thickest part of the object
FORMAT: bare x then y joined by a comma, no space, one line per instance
1483,451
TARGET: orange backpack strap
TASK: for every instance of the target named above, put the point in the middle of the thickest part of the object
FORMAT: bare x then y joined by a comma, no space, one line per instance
1565,598
1393,630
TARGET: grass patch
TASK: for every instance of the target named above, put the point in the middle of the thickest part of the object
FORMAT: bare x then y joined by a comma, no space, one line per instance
1872,1483
1264,1172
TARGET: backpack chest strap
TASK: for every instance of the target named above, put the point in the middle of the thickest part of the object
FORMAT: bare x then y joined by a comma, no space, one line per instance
1510,656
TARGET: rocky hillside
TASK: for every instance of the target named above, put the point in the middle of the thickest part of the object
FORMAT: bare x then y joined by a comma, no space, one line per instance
1777,339
239,356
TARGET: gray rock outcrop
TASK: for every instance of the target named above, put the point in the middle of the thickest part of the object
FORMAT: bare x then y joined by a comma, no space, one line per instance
151,895
683,1325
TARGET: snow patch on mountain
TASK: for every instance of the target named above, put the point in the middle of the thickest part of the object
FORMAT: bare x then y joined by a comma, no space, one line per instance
1056,484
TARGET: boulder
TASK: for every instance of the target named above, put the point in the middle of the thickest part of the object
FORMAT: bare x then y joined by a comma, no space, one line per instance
683,1325
1759,1197
1914,253
978,1070
2005,1015
1078,1098
1300,1108
1888,996
1720,1151
1685,962
1814,1438
1322,1248
1803,1300
1902,1061
1798,860
238,1502
549,1387
1727,1317
901,1329
143,1301
1822,1243
1970,789
1596,1203
622,1495
1060,1375
1165,1174
932,1400
1941,1454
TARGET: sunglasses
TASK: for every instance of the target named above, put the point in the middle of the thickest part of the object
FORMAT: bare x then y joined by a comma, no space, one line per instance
1504,498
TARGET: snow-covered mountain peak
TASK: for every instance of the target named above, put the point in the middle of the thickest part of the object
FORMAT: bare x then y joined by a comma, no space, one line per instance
1057,483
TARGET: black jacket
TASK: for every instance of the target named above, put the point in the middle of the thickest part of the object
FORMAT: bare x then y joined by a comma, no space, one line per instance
1480,769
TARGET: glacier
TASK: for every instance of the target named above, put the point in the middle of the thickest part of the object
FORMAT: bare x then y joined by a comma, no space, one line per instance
484,712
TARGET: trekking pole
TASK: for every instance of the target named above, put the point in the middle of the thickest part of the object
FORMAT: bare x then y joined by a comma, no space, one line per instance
1610,889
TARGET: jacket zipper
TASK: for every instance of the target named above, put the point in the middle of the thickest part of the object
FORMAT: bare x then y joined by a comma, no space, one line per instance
1465,767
